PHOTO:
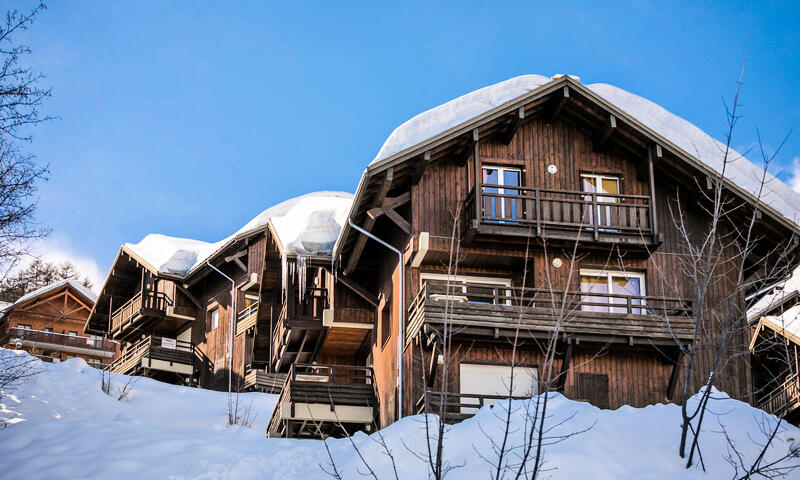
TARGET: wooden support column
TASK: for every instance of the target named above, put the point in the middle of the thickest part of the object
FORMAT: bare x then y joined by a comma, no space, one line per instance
609,128
478,179
559,106
361,240
562,376
673,377
508,135
421,166
652,186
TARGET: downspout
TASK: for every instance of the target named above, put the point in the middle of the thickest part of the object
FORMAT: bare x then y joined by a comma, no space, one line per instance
230,333
400,302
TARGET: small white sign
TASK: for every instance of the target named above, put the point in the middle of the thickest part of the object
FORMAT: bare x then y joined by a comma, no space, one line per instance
552,169
170,343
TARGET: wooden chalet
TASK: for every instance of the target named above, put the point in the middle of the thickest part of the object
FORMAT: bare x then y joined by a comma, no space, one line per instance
552,162
774,347
260,309
152,315
48,323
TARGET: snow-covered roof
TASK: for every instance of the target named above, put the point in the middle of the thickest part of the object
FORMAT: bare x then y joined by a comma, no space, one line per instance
788,322
55,286
305,225
774,298
671,127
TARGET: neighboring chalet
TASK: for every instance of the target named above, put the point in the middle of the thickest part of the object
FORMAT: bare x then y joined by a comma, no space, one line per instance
527,168
774,348
48,323
259,309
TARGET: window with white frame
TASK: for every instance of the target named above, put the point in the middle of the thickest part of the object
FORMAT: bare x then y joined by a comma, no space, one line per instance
606,212
473,289
602,290
213,319
499,183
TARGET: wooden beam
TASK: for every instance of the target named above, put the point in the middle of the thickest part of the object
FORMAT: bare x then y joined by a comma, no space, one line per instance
508,135
389,203
361,241
433,365
562,376
654,154
605,133
673,377
559,105
421,166
467,148
398,219
359,290
191,297
126,276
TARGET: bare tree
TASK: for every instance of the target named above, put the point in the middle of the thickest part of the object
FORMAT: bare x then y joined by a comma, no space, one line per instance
718,264
36,275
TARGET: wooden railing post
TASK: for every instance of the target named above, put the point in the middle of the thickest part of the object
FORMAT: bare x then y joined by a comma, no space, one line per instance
595,214
538,211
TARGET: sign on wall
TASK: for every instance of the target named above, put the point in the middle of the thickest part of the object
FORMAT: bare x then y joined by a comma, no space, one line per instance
170,343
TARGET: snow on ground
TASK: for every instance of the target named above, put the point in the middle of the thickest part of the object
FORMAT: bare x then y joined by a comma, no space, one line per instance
63,426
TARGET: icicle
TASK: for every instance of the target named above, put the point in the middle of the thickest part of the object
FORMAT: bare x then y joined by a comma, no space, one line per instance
284,276
301,280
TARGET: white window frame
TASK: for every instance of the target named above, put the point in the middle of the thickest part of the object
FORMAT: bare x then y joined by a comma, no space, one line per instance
214,323
610,274
602,202
502,190
464,280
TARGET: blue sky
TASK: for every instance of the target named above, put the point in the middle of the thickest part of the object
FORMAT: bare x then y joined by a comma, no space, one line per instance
189,118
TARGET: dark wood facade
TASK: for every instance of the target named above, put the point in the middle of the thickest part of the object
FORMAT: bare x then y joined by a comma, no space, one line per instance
516,247
49,325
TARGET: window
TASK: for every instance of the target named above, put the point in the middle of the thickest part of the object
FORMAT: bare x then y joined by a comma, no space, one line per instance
605,214
213,319
73,334
23,327
603,289
473,289
48,330
95,340
386,321
494,380
500,201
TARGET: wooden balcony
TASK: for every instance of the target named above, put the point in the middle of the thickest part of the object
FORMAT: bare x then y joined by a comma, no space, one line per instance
139,313
487,312
558,216
25,337
157,356
263,381
784,399
247,318
455,407
298,330
318,400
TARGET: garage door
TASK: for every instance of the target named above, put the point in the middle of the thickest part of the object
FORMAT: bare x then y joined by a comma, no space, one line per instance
481,379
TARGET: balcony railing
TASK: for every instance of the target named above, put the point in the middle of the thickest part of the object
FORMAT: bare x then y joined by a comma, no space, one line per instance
246,319
60,342
293,320
492,310
141,306
455,407
327,397
783,398
158,349
560,214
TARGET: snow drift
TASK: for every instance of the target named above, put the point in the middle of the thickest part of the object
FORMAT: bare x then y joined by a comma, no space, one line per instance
64,426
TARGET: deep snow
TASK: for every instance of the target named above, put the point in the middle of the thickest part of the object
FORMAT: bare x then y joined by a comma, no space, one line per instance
64,426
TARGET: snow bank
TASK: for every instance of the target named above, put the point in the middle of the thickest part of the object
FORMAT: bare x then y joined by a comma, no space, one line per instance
680,132
63,426
308,224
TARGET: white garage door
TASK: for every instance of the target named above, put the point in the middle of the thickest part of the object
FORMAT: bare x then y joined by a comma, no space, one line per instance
481,379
